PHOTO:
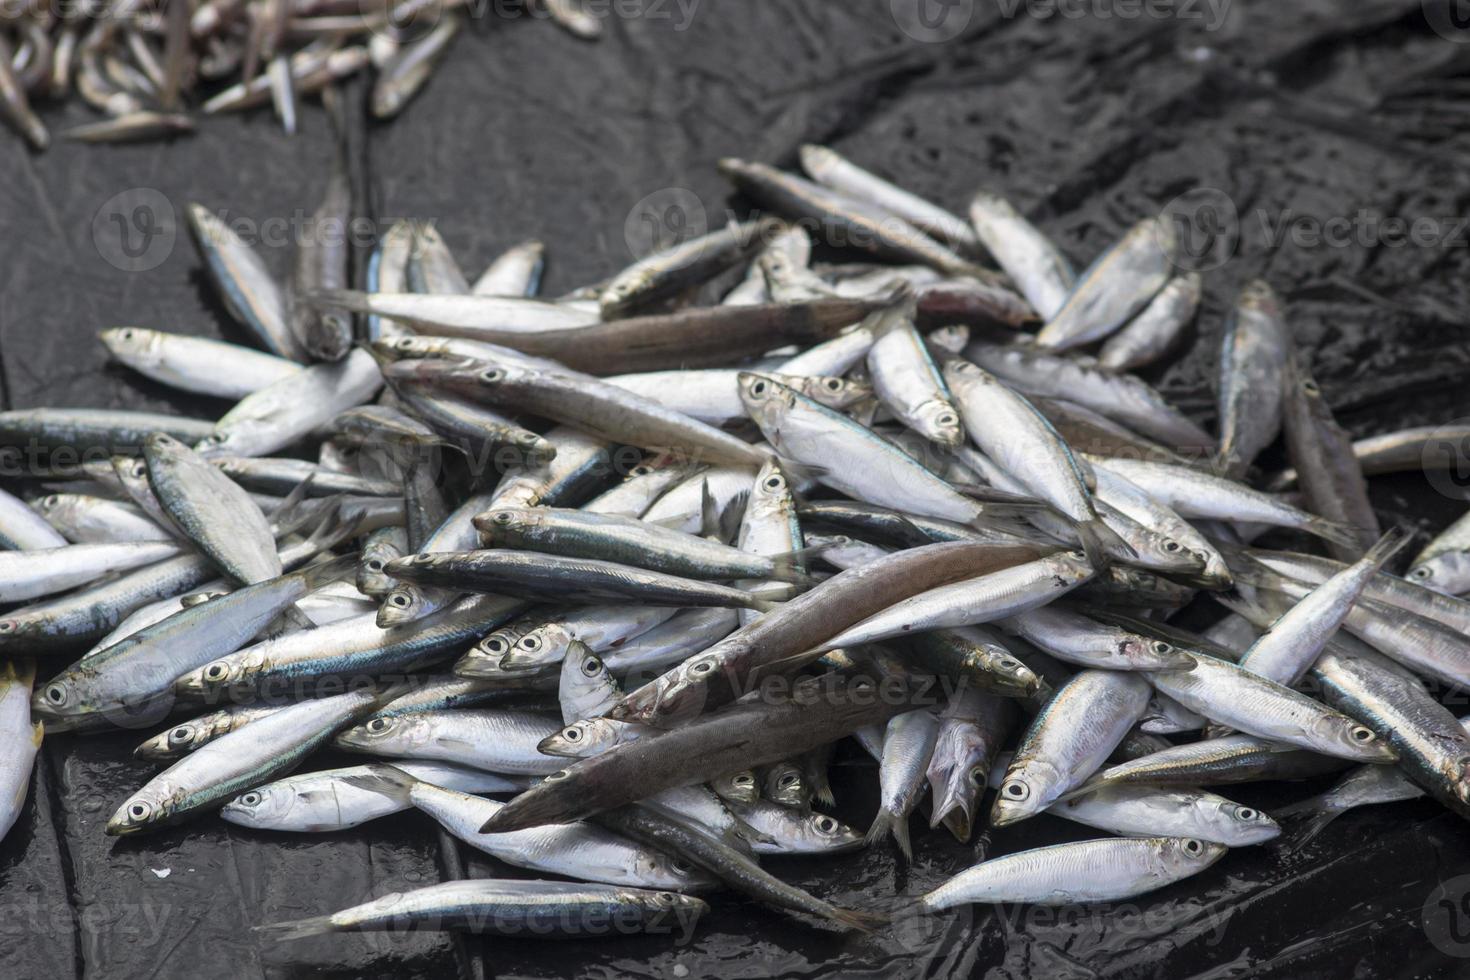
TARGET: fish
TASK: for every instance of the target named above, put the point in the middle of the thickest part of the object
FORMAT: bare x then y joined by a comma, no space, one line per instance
1106,870
1157,328
492,739
553,909
196,364
22,734
1254,350
908,743
679,267
1117,287
1332,483
241,278
1037,267
972,729
212,775
830,168
515,272
906,379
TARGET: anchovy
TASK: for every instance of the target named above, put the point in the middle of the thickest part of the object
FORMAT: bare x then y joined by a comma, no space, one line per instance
197,364
906,379
85,431
1255,347
972,729
1154,331
842,175
276,416
409,69
240,276
221,769
1332,483
550,909
1034,264
1444,564
22,738
1118,286
1108,870
679,267
908,744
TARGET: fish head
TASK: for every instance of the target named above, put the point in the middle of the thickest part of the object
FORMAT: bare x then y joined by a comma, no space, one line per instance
674,696
785,785
654,865
178,740
738,787
151,806
770,489
667,909
405,603
581,739
622,290
939,421
134,345
1146,653
386,735
1189,855
503,526
828,833
766,400
540,647
1358,742
265,806
1069,568
1030,786
836,393
995,667
60,699
1244,825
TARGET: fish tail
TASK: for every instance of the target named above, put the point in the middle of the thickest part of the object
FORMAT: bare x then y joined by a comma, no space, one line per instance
1386,547
1333,532
790,566
1306,820
768,597
19,670
299,929
822,790
879,828
884,824
860,921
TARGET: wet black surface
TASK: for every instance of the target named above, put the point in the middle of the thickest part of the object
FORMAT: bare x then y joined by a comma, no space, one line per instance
1299,111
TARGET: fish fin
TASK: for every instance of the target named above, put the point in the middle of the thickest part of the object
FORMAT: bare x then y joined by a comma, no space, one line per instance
299,929
289,514
38,732
790,565
333,570
991,495
385,780
1091,786
885,823
1213,730
1101,543
709,512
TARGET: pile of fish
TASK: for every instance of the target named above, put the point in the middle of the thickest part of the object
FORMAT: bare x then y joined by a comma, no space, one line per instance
599,583
144,63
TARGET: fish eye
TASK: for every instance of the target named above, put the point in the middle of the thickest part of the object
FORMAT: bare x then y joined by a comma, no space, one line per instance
1420,573
560,774
182,734
591,666
493,644
532,643
1245,813
703,667
492,376
1362,734
378,725
681,866
398,600
572,734
216,672
833,384
640,470
8,625
947,419
666,898
759,388
789,780
977,775
1310,387
126,333
1007,663
1193,847
1171,546
139,810
1160,647
139,469
251,798
404,344
825,824
50,500
502,517
56,694
375,565
774,483
1015,790
744,780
